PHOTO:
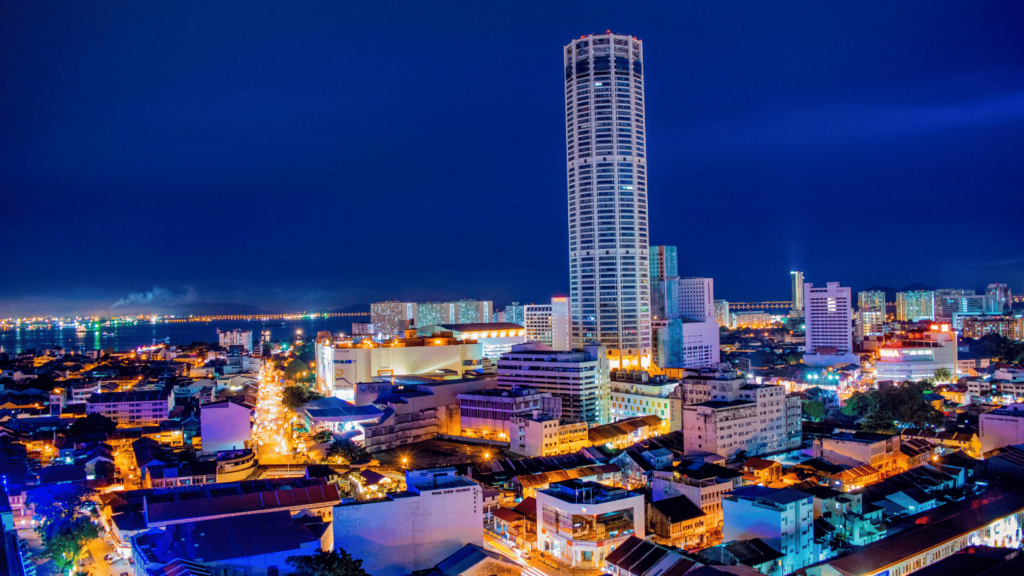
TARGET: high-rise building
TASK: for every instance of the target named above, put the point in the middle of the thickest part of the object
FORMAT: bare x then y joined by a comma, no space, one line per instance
513,314
548,323
1002,295
949,301
828,316
581,378
796,285
607,193
393,318
458,312
915,305
870,318
722,313
697,298
664,262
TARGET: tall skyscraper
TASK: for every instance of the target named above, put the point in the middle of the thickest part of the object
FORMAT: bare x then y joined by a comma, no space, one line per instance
828,317
606,169
796,285
393,318
664,262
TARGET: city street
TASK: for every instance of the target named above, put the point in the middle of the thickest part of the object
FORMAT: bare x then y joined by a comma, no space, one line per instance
271,431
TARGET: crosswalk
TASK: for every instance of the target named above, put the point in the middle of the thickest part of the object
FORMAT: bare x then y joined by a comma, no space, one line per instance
531,571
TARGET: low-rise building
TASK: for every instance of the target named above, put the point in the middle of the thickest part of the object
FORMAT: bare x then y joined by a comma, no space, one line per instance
860,448
637,393
704,485
1001,427
677,522
438,514
782,518
489,413
580,523
132,409
545,435
224,426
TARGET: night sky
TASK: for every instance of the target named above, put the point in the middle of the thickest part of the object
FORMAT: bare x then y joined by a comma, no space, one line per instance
301,155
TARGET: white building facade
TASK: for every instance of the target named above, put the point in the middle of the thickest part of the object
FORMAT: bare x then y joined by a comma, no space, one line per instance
580,378
828,317
579,523
607,196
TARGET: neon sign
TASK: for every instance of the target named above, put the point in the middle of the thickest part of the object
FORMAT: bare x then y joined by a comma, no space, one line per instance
889,353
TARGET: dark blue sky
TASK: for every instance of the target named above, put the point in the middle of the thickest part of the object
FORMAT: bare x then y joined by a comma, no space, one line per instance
301,155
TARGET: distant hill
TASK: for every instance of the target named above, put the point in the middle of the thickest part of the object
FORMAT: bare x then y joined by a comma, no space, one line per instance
353,309
219,310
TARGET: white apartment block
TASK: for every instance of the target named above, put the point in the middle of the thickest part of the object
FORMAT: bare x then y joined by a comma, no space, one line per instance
457,312
828,316
580,378
914,306
489,413
753,418
782,518
606,173
394,318
132,409
236,338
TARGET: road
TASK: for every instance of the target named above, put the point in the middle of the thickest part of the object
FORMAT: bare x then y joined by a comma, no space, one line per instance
530,567
273,425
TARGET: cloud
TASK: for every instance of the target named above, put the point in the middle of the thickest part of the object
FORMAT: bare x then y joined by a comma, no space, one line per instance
156,296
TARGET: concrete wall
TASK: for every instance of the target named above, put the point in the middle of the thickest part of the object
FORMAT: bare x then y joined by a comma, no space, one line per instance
399,536
224,427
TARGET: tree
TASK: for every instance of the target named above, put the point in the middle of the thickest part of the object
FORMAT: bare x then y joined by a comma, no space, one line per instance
347,451
294,396
66,526
943,375
105,470
333,563
814,409
296,369
859,405
94,423
323,436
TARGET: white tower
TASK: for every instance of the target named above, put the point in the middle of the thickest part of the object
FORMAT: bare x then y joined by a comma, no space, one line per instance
607,180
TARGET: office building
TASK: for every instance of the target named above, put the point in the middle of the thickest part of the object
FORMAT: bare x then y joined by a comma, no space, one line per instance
918,354
393,318
549,324
915,306
488,413
1002,295
241,338
697,298
1001,427
781,518
722,313
796,286
132,409
579,377
828,316
607,188
637,393
580,523
438,514
341,364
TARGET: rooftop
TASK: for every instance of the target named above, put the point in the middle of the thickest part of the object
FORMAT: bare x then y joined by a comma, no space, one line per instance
585,492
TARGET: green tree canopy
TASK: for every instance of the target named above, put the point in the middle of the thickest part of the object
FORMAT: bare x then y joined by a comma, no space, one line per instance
943,375
296,369
333,563
92,424
814,409
294,396
66,526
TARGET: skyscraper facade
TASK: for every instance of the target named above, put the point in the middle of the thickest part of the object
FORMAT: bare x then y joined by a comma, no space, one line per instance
1002,294
796,285
870,318
606,170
